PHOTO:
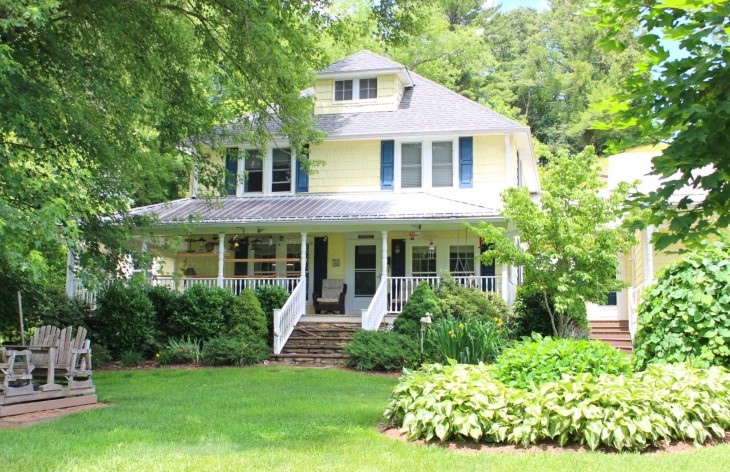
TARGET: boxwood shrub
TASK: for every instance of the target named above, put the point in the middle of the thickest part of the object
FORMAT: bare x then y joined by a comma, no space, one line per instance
686,314
465,402
200,312
381,351
423,300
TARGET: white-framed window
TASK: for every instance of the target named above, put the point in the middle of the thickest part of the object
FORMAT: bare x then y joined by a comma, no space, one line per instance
254,168
281,170
461,260
264,251
423,261
356,89
426,164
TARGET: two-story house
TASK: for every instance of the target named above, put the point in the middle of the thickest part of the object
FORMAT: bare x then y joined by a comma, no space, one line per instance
406,162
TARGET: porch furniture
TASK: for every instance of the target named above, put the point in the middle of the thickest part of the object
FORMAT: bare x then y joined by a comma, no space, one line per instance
16,369
63,353
332,297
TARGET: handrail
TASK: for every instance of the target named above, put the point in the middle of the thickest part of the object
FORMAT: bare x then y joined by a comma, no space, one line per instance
402,287
288,316
373,316
634,295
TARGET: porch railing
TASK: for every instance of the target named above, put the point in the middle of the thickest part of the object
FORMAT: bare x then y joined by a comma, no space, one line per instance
234,284
373,316
634,296
288,316
402,287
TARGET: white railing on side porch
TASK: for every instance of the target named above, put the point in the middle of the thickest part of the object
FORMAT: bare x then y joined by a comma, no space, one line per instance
237,284
393,293
288,316
634,295
373,316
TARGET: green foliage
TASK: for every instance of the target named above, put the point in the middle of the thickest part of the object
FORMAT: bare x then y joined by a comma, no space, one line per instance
571,237
271,297
462,302
548,359
683,102
55,308
465,402
124,319
181,351
229,350
423,300
530,314
200,312
164,301
381,351
468,340
100,355
685,315
246,319
131,359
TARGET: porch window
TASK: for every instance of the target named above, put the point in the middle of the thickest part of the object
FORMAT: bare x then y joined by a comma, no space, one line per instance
368,88
281,171
410,165
461,260
343,90
442,158
264,267
293,251
423,262
254,167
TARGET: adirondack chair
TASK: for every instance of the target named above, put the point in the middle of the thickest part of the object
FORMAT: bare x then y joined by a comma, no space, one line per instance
15,371
63,354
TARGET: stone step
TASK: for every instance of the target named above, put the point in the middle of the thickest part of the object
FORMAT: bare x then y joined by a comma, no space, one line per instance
315,360
309,341
609,324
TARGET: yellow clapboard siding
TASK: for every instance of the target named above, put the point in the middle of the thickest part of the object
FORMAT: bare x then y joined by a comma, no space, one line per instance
489,162
349,166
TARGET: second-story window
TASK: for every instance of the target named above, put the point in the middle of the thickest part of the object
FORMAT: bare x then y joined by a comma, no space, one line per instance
410,165
343,90
442,164
281,171
254,167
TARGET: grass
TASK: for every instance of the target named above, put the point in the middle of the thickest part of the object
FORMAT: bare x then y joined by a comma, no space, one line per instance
269,418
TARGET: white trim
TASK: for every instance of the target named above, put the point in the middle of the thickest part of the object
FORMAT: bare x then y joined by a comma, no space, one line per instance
401,72
508,159
426,162
355,91
648,256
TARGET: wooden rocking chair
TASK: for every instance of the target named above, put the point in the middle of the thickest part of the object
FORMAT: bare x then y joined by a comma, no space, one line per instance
60,353
19,374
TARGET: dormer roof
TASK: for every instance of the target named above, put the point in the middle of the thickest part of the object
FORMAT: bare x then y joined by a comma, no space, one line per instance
365,63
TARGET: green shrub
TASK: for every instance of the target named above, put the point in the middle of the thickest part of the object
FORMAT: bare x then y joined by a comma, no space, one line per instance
548,359
55,308
423,300
271,297
131,359
246,319
181,351
469,340
164,301
227,350
100,355
462,302
200,313
530,315
124,319
665,403
686,314
381,351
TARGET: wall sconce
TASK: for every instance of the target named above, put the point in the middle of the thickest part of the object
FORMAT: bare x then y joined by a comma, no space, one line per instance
412,235
431,250
256,243
271,240
233,242
397,249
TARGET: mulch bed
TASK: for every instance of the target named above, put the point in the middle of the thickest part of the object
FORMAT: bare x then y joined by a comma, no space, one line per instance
549,447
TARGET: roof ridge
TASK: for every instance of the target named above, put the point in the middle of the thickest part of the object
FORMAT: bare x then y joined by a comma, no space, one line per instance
466,99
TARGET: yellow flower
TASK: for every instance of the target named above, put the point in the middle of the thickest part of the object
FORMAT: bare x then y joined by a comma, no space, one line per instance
495,319
157,355
453,336
461,325
498,331
500,322
451,333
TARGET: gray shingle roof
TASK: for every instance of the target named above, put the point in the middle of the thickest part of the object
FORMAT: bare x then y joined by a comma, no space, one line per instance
321,208
363,60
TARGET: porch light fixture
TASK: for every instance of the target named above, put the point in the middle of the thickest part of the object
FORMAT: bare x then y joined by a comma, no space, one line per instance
190,242
271,240
201,245
233,242
256,243
397,248
431,250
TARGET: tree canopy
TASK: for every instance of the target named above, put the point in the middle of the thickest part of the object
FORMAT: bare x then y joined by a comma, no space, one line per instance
682,100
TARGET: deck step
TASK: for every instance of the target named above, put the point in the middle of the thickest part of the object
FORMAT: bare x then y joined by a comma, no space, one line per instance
318,343
614,332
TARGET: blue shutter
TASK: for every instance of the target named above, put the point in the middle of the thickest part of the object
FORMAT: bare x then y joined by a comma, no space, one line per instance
231,171
387,162
302,178
466,161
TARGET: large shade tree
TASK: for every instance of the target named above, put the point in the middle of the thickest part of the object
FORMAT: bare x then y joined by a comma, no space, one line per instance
684,102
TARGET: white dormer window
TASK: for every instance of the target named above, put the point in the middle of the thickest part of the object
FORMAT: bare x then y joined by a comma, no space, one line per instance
361,89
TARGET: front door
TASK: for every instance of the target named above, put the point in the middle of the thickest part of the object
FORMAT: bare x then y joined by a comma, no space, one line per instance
363,274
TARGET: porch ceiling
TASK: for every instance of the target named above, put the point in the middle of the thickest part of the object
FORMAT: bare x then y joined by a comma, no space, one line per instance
393,207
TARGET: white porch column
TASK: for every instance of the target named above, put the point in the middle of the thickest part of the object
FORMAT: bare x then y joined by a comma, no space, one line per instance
221,257
505,283
384,255
304,257
70,276
648,256
145,267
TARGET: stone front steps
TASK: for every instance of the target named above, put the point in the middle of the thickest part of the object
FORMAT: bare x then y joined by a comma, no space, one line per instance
616,333
317,343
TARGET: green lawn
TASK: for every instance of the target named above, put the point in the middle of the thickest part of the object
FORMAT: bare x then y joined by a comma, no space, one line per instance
269,418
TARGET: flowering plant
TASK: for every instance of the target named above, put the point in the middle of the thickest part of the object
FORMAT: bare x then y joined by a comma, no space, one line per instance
467,341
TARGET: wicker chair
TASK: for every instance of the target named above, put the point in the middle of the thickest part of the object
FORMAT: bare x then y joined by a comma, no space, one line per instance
332,297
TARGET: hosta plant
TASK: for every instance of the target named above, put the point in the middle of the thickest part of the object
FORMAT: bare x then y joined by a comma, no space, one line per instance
686,314
541,360
665,403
